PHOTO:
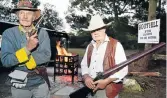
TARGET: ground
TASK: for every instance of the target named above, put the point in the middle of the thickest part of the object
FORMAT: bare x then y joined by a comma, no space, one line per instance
154,87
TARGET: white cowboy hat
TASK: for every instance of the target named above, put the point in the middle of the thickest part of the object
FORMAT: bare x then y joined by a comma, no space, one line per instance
95,23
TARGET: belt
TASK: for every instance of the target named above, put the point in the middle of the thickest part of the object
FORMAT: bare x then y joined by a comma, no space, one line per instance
33,73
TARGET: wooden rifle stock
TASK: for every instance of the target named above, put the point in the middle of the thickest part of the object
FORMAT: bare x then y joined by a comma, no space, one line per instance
84,91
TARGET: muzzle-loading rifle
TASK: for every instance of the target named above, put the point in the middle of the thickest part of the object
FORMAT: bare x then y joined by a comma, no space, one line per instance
84,91
36,26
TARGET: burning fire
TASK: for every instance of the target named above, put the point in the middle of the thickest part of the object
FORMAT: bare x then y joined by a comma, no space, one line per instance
63,68
62,51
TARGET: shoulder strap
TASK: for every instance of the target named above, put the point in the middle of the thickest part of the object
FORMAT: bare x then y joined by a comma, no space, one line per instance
113,44
89,53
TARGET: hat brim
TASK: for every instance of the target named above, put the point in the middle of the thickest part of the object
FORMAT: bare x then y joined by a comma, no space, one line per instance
37,11
89,30
24,8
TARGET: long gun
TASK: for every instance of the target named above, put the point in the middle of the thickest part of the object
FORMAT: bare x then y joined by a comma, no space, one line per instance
37,25
84,91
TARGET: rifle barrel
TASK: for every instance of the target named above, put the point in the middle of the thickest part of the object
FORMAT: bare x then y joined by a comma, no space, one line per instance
39,21
84,91
132,59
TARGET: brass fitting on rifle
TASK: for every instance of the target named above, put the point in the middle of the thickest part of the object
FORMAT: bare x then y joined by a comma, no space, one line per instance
33,31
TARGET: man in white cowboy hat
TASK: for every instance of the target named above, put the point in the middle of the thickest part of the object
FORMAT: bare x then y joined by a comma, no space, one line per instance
102,54
25,53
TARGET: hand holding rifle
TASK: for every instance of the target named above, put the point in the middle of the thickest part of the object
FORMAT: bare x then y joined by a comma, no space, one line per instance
97,83
102,83
32,41
88,81
84,91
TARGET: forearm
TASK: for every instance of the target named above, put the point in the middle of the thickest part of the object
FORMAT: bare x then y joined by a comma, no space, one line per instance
11,59
43,52
109,80
41,57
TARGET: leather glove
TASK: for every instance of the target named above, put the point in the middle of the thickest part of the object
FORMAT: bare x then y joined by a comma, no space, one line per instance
19,84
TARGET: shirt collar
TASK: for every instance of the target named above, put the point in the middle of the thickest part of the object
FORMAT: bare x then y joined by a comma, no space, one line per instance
105,40
22,29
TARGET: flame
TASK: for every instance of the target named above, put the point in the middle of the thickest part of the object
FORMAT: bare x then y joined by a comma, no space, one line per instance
62,51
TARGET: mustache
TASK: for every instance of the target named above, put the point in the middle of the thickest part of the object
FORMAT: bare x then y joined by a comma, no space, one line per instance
25,20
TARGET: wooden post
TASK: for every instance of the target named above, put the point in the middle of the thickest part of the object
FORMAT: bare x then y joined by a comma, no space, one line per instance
151,16
142,64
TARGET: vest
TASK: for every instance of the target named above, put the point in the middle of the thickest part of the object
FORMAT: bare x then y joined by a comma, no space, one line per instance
112,89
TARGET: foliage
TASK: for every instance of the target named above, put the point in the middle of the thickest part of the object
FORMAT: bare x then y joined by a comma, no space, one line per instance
5,10
79,41
118,12
124,15
76,21
51,20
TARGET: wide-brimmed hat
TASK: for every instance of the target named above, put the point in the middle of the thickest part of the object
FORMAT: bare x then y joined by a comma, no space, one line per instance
27,5
96,22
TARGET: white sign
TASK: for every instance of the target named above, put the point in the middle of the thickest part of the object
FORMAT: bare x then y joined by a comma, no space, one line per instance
148,32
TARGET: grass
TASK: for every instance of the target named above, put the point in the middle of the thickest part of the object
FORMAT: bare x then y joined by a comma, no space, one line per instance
79,51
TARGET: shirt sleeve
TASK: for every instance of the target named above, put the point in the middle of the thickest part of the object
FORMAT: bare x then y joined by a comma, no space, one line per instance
43,52
84,65
8,53
22,55
119,58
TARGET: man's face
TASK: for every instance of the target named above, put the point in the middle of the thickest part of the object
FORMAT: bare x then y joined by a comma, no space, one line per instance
26,17
98,35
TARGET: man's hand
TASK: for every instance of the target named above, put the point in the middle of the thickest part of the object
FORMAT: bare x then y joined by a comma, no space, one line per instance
88,81
33,31
32,42
101,84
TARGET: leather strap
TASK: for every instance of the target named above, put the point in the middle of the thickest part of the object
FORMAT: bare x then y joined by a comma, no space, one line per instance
89,53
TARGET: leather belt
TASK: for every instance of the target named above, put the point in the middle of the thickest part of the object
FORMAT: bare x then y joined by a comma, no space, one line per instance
33,73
